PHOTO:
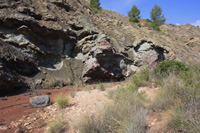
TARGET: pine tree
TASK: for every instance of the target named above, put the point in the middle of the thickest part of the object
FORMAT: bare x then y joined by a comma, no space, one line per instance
95,5
134,12
156,14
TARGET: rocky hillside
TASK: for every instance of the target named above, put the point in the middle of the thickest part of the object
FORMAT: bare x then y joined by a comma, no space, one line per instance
53,43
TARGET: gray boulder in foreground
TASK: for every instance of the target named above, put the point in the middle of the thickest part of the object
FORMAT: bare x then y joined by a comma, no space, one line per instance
40,101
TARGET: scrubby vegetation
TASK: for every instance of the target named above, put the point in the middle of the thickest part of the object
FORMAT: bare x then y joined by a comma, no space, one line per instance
167,67
179,91
141,79
127,114
62,101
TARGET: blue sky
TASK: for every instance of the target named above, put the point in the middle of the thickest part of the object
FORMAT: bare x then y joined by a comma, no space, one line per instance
176,11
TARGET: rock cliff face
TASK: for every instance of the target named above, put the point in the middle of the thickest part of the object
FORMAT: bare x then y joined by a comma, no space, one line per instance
49,43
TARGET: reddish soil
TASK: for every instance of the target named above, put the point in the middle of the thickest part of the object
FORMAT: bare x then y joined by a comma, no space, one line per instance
12,109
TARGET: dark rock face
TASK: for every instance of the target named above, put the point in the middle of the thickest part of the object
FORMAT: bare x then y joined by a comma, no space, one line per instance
40,101
17,59
9,80
43,42
104,64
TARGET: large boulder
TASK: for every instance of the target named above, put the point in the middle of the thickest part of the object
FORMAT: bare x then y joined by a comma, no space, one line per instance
40,101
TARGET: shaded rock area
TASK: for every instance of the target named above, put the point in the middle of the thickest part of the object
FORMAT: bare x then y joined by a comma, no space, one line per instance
105,64
54,43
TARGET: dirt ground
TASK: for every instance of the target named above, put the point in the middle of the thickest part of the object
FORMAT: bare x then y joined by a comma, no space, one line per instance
13,108
88,100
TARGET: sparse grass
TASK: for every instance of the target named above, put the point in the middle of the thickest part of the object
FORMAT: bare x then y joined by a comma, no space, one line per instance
87,125
52,83
127,114
169,94
56,124
73,94
101,87
88,88
62,101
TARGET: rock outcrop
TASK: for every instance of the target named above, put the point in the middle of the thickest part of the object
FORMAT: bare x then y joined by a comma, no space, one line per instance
40,101
53,43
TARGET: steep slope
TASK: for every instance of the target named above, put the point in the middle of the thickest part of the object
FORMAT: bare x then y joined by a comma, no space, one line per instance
50,43
174,39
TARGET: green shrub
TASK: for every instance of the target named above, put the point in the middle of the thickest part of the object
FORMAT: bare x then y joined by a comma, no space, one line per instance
141,78
167,67
134,20
153,25
95,5
62,101
191,45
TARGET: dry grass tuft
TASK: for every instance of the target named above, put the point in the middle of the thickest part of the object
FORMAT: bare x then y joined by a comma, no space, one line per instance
56,125
62,101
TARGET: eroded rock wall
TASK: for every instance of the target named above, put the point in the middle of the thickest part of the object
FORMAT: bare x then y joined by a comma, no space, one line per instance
50,43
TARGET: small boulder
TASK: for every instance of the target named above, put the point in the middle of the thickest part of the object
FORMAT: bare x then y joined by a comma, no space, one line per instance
40,101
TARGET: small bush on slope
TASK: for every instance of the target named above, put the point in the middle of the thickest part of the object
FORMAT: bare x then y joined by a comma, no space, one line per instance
167,67
62,101
136,20
153,25
141,79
